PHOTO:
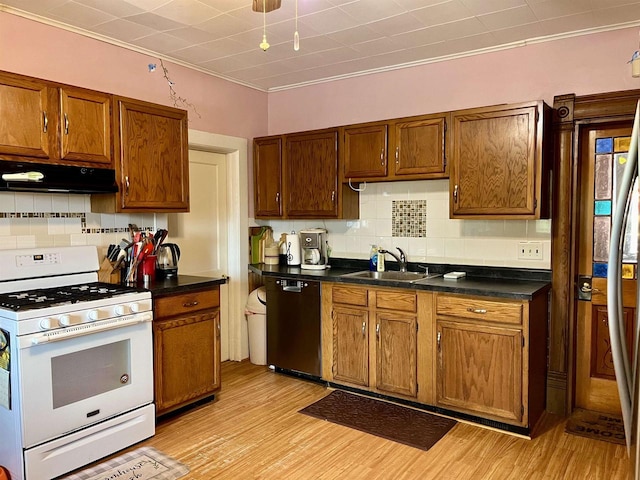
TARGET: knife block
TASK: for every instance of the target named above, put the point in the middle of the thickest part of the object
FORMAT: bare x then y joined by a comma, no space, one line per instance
107,274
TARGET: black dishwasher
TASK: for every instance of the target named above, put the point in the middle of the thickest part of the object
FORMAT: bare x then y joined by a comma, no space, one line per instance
293,325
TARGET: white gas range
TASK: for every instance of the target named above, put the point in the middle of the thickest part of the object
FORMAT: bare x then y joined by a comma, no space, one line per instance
76,362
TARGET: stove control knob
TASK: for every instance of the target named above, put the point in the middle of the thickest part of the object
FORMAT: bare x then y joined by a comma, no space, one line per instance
95,315
121,310
65,320
47,323
135,307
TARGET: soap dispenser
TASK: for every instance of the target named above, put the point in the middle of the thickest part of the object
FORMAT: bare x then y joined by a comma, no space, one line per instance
380,261
373,258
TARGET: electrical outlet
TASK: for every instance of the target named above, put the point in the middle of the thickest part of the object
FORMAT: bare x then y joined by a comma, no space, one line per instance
530,251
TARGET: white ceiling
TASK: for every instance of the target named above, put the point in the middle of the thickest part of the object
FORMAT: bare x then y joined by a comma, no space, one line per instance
338,38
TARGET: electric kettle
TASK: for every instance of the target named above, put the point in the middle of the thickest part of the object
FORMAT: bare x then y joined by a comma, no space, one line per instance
167,256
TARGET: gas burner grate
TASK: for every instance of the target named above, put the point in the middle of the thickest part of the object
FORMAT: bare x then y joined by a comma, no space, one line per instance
64,295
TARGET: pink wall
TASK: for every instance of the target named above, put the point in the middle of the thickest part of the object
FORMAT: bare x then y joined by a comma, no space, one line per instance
588,64
39,50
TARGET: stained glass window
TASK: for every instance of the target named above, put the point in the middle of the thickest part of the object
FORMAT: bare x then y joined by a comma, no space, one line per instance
610,161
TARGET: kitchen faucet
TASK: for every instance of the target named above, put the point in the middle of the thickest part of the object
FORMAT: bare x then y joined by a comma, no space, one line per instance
402,259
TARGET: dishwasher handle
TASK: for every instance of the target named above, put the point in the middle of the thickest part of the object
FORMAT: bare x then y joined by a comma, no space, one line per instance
295,286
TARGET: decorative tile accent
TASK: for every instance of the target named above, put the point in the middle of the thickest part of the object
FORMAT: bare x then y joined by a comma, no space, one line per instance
409,218
81,216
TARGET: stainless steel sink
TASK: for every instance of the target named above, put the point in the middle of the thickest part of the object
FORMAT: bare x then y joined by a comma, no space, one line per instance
392,276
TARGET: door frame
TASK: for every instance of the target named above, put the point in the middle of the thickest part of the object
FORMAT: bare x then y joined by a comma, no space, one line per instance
570,114
236,151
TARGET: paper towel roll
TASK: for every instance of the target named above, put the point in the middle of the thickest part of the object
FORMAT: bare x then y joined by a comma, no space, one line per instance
293,249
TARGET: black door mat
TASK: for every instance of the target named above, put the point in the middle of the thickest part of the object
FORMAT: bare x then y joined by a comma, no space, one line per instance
596,425
387,420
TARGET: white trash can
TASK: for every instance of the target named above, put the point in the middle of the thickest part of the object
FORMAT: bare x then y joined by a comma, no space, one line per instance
256,313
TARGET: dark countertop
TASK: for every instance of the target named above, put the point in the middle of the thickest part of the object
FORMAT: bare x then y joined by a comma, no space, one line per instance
182,284
483,281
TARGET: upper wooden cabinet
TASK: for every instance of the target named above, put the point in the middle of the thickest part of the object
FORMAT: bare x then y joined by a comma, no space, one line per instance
27,103
411,148
296,176
498,165
151,159
365,151
267,176
54,123
85,126
311,174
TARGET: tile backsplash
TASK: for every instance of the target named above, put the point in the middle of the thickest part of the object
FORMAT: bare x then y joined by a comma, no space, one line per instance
31,220
415,217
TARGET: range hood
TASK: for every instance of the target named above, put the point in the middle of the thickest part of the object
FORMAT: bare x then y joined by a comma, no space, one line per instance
49,178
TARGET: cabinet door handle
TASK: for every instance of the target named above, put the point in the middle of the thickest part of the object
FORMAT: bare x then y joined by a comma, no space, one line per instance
66,124
333,196
397,154
126,183
444,146
477,310
278,197
455,194
438,340
364,328
45,122
190,304
378,330
382,157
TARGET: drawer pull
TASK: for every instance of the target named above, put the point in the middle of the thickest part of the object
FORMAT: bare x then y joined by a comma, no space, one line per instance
190,304
477,310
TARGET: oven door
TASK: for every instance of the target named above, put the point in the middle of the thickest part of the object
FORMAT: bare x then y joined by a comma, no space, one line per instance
74,382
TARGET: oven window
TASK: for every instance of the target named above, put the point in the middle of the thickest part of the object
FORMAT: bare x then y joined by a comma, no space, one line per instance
87,373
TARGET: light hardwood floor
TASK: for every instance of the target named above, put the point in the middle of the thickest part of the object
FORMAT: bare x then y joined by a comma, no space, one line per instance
253,431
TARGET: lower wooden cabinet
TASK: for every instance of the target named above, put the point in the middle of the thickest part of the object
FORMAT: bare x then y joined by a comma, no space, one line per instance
370,339
396,349
186,331
479,356
480,370
350,334
491,357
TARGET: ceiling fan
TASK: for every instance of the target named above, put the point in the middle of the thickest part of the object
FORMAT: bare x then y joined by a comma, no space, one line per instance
265,5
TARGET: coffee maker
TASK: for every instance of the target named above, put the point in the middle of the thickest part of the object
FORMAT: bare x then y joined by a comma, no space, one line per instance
314,249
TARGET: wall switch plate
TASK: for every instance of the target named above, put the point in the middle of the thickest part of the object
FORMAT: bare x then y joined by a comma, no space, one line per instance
530,251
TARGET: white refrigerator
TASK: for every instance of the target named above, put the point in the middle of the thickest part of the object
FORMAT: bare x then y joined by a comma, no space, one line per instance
627,372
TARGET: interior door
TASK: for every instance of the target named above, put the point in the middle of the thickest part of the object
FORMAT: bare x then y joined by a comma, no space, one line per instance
603,155
202,233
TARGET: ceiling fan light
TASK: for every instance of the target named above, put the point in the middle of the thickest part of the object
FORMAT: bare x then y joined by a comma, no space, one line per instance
264,45
296,37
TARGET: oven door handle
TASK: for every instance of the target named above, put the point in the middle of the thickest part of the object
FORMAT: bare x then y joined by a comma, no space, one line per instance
83,329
